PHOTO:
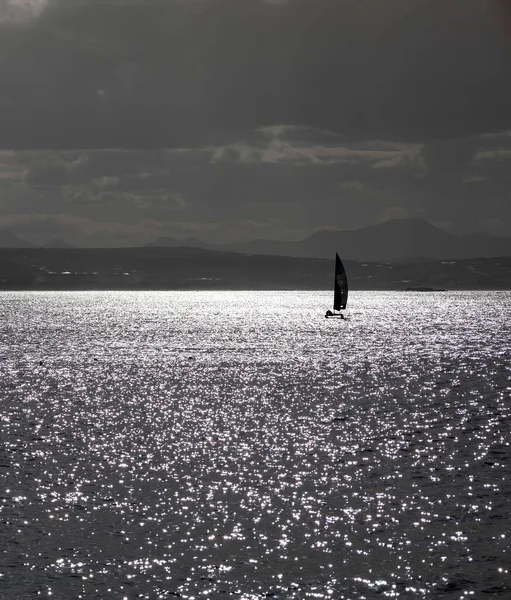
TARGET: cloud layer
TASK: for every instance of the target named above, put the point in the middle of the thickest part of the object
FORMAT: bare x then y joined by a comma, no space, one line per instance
122,121
146,74
274,182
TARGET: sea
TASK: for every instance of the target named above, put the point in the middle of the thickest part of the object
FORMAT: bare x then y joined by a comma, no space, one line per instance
217,444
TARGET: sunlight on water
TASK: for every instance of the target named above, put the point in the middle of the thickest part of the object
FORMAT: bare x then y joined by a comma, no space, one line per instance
203,445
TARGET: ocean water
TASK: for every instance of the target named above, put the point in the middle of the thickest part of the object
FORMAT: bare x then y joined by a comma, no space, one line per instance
216,445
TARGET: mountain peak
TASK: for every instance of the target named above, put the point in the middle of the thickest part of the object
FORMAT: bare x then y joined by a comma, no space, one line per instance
395,239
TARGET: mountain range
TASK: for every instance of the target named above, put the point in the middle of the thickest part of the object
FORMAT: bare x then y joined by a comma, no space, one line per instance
9,240
397,239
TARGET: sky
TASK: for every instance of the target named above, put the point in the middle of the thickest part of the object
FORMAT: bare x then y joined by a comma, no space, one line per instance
122,121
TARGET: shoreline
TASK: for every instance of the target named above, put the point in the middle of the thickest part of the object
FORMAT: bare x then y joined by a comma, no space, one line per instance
183,269
245,289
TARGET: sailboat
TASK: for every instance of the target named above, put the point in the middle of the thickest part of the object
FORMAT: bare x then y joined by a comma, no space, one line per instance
340,290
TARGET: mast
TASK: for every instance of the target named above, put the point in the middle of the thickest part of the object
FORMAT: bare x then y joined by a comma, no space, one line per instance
340,285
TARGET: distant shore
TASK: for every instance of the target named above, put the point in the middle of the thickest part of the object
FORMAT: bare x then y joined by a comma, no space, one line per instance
182,268
54,287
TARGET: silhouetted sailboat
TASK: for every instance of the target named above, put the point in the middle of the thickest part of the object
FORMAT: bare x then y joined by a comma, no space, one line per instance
340,290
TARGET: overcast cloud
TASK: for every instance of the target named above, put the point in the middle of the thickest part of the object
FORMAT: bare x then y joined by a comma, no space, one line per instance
122,121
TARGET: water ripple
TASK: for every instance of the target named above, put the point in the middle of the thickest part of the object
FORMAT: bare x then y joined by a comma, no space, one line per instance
158,445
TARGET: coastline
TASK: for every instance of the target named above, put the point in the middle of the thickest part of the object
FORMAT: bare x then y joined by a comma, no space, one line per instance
145,269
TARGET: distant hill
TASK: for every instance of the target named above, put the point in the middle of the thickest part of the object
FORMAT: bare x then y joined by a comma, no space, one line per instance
184,268
168,242
9,240
397,239
57,243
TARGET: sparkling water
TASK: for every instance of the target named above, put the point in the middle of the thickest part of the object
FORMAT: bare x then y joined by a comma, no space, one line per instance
239,444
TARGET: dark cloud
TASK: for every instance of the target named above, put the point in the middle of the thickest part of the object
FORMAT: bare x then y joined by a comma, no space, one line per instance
503,12
227,119
54,169
148,74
